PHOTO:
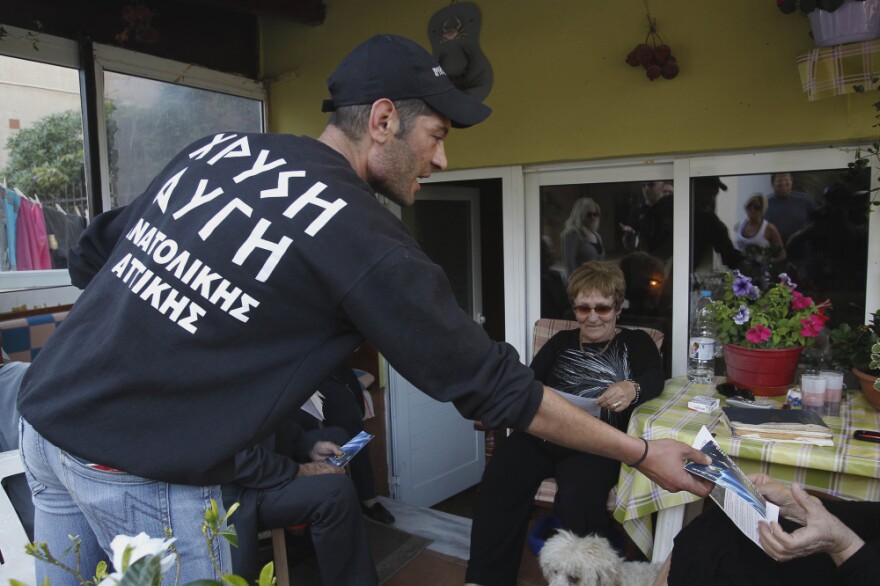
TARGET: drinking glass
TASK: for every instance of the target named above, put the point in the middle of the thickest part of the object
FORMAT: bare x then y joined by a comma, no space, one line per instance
813,389
833,391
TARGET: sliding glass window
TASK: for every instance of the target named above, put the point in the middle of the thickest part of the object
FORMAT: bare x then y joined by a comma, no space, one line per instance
53,179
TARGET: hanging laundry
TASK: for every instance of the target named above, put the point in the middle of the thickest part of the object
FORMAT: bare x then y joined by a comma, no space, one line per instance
32,242
66,229
11,205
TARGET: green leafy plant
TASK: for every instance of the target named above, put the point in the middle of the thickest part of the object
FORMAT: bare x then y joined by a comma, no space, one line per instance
875,362
780,317
808,6
142,560
857,347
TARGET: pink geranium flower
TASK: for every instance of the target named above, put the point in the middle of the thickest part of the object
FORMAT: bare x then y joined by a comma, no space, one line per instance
758,334
812,326
799,301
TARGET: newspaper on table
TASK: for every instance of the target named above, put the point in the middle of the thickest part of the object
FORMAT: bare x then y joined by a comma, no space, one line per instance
734,493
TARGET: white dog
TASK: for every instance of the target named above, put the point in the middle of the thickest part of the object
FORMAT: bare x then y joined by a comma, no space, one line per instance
569,560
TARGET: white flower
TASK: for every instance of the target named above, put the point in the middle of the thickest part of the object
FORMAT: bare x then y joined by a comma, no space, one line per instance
141,545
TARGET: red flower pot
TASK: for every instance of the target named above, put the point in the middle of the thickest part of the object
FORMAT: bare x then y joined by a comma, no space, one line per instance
768,373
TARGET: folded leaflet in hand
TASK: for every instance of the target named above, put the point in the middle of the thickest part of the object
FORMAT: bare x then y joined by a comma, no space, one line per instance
785,425
734,493
351,448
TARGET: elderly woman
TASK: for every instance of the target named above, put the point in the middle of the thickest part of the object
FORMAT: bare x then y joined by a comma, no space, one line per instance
619,368
581,241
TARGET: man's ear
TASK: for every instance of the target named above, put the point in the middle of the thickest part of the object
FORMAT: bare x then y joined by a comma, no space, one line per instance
384,120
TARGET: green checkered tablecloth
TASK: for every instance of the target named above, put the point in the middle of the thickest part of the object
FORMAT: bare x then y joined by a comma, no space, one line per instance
850,469
840,70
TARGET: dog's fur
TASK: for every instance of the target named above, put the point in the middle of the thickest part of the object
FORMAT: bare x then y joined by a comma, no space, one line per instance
569,560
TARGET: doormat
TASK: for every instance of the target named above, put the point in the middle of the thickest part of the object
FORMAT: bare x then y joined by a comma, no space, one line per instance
392,549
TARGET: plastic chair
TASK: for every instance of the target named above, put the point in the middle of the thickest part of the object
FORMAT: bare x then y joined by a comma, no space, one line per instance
14,562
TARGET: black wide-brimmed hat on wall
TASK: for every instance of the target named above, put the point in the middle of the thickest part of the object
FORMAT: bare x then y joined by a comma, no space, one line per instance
454,32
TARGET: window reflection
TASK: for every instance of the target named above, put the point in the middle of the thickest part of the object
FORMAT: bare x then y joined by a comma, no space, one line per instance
812,225
42,186
150,121
629,223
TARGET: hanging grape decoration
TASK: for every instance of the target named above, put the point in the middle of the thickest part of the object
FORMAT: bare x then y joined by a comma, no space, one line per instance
654,55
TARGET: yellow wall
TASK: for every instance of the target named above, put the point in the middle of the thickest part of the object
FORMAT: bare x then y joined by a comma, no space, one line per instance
564,92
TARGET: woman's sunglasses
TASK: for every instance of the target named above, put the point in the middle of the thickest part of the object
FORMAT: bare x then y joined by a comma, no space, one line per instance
755,206
591,215
601,310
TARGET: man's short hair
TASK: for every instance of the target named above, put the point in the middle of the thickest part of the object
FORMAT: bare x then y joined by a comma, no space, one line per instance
353,120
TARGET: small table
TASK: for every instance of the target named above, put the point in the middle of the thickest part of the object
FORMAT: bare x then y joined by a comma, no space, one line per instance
850,469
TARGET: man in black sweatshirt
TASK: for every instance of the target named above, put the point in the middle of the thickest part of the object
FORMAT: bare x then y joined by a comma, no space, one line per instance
219,299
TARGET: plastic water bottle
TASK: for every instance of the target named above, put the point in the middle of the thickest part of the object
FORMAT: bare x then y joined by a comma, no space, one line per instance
701,352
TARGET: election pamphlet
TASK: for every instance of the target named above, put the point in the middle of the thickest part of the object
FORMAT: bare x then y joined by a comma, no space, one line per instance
350,449
734,493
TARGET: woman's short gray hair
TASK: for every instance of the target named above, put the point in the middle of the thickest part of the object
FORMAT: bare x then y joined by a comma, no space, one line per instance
604,278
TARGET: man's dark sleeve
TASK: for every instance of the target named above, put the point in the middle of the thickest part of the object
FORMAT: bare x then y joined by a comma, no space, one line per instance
95,246
862,568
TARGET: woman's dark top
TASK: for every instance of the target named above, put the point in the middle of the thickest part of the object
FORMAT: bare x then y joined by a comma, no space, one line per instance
567,366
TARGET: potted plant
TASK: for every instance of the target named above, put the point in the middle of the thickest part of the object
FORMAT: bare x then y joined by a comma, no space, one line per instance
835,22
764,332
858,348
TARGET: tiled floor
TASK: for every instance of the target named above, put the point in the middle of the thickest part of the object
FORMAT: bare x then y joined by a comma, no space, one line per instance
444,562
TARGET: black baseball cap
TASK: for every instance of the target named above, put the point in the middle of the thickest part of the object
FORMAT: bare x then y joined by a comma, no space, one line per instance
709,183
393,67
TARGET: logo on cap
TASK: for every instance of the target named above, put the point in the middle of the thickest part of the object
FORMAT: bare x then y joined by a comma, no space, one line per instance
438,71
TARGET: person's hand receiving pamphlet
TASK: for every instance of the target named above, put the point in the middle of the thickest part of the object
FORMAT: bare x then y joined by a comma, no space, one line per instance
734,493
350,449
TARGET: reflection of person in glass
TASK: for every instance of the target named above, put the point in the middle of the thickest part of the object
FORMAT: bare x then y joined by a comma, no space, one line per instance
788,210
649,226
756,231
581,241
710,234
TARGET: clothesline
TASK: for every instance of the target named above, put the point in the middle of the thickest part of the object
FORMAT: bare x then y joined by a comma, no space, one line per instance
33,236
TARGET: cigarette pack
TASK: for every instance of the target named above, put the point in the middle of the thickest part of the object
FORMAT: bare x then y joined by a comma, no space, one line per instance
704,404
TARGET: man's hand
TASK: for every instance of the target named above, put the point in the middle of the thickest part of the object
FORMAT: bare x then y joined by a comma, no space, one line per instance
822,533
665,466
323,450
316,468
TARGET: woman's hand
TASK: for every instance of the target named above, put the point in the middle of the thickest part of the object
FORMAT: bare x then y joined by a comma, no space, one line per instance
822,533
779,494
618,396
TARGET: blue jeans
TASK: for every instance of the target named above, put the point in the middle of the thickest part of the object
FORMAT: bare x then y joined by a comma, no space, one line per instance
72,497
